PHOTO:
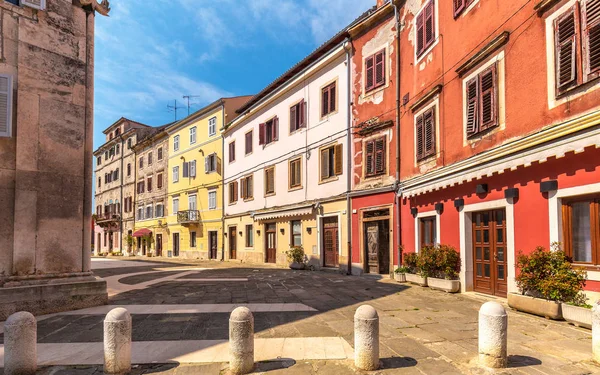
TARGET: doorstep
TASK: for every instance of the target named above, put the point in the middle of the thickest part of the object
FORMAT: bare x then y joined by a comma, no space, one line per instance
330,269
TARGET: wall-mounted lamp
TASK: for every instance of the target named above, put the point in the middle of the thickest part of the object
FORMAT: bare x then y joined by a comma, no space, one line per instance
225,234
240,232
548,186
458,203
439,207
281,230
414,211
308,230
511,193
481,189
258,232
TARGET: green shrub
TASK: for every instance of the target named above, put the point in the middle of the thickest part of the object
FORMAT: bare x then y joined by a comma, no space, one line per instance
428,261
295,254
402,269
448,262
410,262
550,275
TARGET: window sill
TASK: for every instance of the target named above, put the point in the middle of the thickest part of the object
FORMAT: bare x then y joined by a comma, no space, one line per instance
367,177
329,179
269,194
376,89
484,133
232,203
299,130
295,188
582,88
328,115
248,199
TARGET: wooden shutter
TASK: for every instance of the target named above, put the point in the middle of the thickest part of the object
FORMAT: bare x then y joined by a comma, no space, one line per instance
472,95
459,6
324,163
261,134
369,76
298,172
339,159
565,38
303,114
488,98
232,151
332,98
235,191
206,164
380,155
293,118
275,128
419,137
150,184
5,106
591,39
429,132
250,187
217,163
567,225
325,102
269,180
429,25
420,33
369,157
379,69
244,190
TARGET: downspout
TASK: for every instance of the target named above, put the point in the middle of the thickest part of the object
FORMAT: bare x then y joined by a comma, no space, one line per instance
398,198
121,173
222,185
348,48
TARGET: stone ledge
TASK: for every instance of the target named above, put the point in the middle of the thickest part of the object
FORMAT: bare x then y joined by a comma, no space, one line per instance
52,298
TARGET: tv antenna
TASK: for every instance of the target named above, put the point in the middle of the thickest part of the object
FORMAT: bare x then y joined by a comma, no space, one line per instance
174,108
187,97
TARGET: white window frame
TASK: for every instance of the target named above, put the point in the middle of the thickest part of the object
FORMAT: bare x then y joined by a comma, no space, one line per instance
192,135
195,199
140,209
9,105
212,126
176,143
438,231
176,173
149,206
192,168
212,199
175,206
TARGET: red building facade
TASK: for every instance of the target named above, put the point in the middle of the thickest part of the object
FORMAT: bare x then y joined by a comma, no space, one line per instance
500,133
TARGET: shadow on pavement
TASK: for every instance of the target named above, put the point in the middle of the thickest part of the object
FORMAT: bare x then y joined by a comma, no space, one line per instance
397,362
515,361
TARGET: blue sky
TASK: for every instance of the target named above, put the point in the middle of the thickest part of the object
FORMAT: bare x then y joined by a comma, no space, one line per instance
151,52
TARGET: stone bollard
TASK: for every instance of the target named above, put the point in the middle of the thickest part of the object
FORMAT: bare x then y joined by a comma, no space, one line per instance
493,325
117,341
596,332
241,341
366,338
20,340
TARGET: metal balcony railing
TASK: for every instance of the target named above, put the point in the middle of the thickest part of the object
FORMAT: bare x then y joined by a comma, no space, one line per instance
188,216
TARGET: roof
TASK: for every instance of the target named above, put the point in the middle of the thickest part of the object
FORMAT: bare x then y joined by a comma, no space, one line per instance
123,119
312,57
155,132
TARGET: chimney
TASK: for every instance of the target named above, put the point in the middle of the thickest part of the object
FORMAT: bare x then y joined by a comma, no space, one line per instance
380,3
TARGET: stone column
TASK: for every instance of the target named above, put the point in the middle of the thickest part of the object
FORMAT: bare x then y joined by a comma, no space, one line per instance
241,341
493,325
596,332
366,338
117,341
20,340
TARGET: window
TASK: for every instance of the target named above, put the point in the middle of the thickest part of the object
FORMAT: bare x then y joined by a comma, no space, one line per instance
105,155
149,184
298,116
210,163
332,162
375,157
581,229
295,173
140,187
116,174
117,149
232,152
296,227
129,143
328,99
176,174
482,102
233,192
247,187
148,212
270,181
427,231
460,6
375,71
425,134
212,126
141,162
176,143
192,168
140,213
192,239
160,155
159,210
99,182
189,169
159,181
175,206
248,143
98,160
128,169
212,200
192,135
249,236
425,28
150,158
268,132
577,45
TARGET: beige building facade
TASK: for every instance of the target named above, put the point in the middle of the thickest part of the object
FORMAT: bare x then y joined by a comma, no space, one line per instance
46,145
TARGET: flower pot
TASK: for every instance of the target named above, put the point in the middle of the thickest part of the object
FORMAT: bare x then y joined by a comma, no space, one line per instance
416,279
400,277
297,266
578,316
448,286
536,306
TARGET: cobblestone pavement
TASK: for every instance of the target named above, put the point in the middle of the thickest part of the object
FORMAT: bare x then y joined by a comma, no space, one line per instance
421,331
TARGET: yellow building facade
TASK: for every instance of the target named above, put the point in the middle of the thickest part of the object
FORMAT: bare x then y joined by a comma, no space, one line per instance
195,183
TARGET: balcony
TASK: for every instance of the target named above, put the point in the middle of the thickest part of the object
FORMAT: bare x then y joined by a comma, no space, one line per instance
108,220
188,217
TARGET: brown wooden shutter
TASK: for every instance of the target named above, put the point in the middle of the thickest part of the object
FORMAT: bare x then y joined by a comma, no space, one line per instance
293,118
369,157
567,240
420,33
332,98
325,102
235,191
303,114
565,38
429,132
261,134
250,189
472,104
380,155
429,25
324,163
369,76
299,172
339,159
459,6
591,39
379,69
419,137
488,98
243,188
275,128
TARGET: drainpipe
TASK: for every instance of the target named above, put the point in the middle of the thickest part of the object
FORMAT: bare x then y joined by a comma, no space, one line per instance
398,199
121,173
222,185
348,48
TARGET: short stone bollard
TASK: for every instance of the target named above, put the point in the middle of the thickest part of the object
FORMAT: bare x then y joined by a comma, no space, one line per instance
366,338
241,341
493,325
117,341
596,332
20,340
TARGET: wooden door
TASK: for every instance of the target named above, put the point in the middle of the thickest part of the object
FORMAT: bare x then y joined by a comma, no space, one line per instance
270,243
489,252
158,244
372,246
212,239
330,242
232,243
175,244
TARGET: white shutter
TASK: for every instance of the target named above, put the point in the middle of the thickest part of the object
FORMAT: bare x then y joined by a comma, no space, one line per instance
193,168
36,4
5,105
206,161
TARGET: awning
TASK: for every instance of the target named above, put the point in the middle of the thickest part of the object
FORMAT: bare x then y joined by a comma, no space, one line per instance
299,211
142,232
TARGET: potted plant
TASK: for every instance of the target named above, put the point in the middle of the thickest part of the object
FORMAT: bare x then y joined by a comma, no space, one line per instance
446,266
414,274
578,312
546,279
400,274
295,256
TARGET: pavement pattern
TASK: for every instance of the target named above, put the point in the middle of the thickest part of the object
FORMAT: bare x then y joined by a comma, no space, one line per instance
180,314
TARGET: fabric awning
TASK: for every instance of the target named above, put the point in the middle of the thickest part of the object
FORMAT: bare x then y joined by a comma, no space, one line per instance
299,211
142,232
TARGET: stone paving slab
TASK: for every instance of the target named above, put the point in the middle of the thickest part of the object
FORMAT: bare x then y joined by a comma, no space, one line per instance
193,309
